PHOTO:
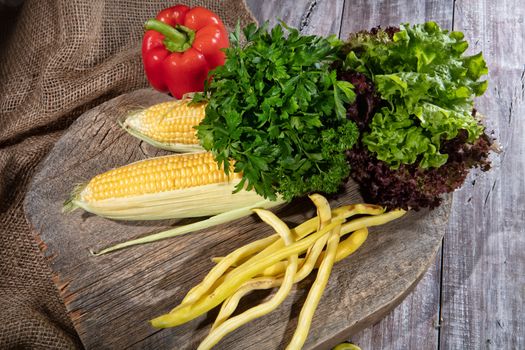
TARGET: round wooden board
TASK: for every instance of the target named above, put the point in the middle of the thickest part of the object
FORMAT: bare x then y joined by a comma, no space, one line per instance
110,298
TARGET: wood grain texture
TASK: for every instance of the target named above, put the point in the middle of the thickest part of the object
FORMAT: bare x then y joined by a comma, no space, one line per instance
321,17
414,324
110,298
484,260
363,14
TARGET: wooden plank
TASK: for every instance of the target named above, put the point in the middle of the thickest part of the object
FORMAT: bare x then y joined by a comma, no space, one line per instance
321,17
413,324
483,276
111,297
363,14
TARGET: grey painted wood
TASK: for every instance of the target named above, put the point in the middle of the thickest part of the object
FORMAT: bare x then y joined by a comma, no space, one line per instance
414,324
484,249
364,14
110,298
321,17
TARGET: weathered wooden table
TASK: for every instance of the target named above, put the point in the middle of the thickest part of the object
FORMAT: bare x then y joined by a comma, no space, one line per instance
473,296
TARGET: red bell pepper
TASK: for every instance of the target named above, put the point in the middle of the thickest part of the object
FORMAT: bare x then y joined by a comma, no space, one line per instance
181,46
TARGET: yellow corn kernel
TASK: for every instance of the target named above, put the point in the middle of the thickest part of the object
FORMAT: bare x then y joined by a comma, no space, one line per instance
170,187
156,175
169,122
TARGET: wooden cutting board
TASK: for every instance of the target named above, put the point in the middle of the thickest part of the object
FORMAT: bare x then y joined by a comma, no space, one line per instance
110,298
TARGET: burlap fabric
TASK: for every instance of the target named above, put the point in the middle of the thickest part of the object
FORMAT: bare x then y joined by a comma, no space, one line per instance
57,60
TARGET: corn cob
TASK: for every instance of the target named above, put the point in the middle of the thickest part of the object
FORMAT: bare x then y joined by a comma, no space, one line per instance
174,186
167,125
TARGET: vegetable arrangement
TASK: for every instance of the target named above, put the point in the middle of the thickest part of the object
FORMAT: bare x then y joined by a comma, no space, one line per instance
288,115
274,262
277,110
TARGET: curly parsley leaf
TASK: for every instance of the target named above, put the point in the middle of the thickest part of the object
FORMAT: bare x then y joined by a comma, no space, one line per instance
277,110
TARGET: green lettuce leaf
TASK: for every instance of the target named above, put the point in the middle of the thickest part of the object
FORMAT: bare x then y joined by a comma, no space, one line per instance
429,84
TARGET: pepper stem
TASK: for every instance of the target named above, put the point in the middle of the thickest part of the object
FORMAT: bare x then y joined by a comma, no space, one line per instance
177,39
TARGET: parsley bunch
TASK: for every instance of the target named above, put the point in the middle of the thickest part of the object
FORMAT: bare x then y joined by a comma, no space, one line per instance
277,110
